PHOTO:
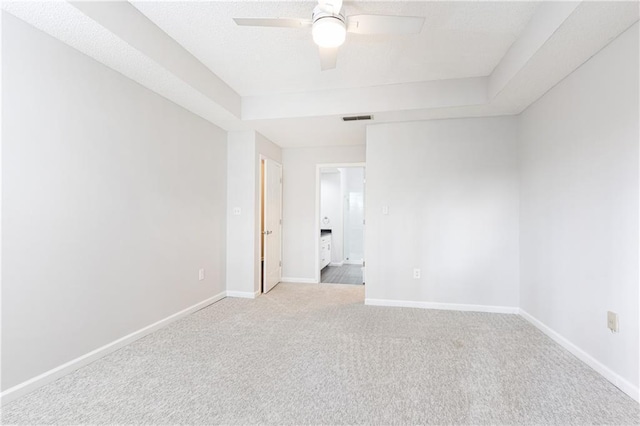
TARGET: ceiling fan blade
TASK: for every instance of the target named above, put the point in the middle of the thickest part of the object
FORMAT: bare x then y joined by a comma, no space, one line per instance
274,22
383,24
328,57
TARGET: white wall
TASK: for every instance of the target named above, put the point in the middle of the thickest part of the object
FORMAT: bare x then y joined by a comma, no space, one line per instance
579,208
243,191
451,187
241,178
331,208
113,198
300,230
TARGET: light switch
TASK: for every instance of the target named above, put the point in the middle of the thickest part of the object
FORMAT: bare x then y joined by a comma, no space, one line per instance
612,321
385,209
237,211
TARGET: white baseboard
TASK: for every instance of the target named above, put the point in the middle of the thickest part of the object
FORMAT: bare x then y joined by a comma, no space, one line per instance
336,263
353,262
607,373
243,294
442,306
298,280
68,367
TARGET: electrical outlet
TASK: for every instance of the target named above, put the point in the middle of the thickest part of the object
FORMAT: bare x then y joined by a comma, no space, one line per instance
237,211
612,321
201,274
416,273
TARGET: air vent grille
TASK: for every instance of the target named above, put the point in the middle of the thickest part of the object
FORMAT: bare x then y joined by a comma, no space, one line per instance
357,118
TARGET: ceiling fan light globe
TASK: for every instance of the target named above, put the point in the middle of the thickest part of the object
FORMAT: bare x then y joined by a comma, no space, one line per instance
329,32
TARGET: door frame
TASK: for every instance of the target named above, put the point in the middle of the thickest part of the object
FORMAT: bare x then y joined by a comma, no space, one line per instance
261,215
317,214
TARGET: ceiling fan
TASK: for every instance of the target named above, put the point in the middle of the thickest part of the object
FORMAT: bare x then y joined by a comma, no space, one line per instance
329,27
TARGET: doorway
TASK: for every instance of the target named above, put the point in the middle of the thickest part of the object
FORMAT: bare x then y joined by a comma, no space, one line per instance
340,213
270,223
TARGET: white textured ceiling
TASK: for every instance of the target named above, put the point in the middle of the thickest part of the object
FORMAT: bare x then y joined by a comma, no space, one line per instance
471,60
65,22
458,40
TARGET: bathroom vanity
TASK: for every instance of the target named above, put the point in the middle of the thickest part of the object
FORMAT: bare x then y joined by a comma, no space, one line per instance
325,247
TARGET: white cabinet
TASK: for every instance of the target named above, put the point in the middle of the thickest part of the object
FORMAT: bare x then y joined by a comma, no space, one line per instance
325,250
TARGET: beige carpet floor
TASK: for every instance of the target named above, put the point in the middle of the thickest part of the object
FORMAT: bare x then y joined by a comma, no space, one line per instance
314,354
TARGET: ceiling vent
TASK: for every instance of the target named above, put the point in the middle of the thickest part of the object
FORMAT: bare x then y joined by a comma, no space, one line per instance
357,118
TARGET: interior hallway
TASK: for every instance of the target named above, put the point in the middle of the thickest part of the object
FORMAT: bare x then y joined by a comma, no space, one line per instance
310,354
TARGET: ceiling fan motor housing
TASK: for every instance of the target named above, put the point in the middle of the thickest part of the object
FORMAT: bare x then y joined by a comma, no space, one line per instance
329,29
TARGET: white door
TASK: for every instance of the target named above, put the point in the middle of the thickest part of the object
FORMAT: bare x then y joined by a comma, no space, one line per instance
272,224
